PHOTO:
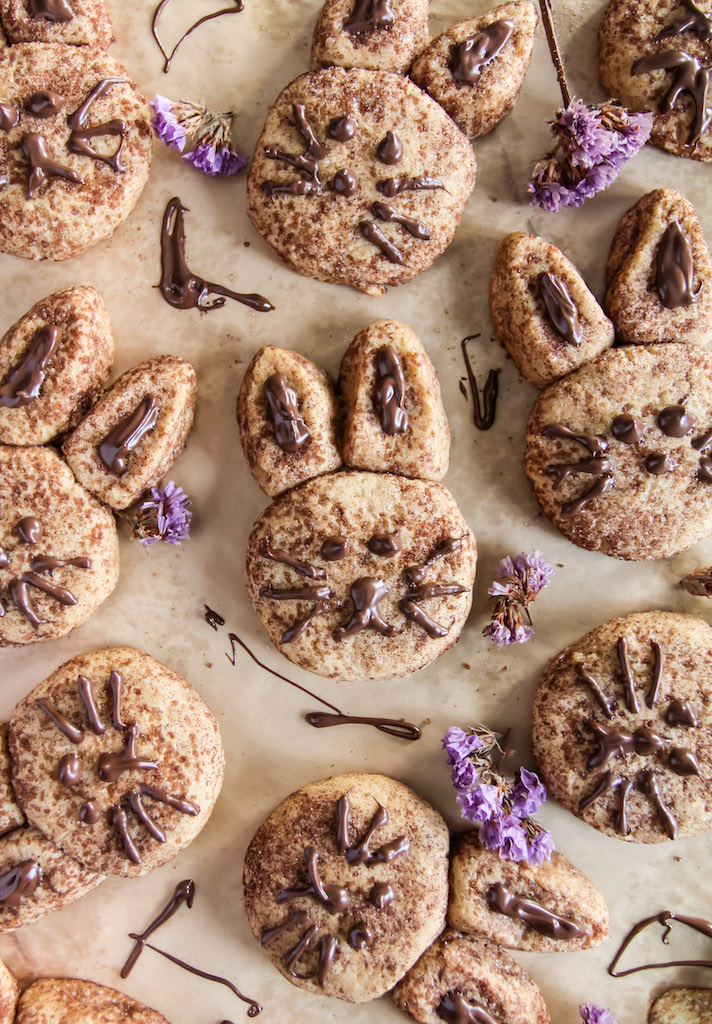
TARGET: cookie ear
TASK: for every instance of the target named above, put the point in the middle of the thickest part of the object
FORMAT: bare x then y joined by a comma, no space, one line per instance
486,899
288,418
361,34
476,69
53,364
682,1006
543,312
395,419
9,994
11,815
135,432
57,21
660,273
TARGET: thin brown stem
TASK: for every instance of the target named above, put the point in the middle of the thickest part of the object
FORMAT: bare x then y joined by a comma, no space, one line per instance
547,16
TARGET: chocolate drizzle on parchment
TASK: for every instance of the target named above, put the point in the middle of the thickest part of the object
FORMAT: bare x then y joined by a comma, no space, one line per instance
235,7
483,415
665,919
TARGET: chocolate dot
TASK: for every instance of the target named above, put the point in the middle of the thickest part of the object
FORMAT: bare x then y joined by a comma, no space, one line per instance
659,463
627,429
342,128
704,473
675,421
345,182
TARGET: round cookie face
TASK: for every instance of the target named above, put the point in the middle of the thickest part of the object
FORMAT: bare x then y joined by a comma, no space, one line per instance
81,1002
38,878
622,727
59,550
339,198
463,979
383,580
655,55
68,183
619,452
117,760
346,884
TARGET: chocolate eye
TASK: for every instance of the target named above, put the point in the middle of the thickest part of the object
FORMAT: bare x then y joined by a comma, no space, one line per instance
659,463
675,421
628,429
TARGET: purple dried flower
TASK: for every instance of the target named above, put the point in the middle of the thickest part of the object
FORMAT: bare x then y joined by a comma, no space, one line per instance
463,775
481,804
540,848
459,744
517,582
165,123
528,794
506,626
166,516
217,161
591,1014
507,836
592,144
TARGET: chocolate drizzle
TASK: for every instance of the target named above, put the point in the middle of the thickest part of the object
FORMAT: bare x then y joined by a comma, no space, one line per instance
44,104
80,135
681,713
290,430
415,228
390,149
664,918
380,895
561,308
55,11
69,770
74,733
213,618
333,898
389,397
128,433
277,555
112,766
184,893
658,463
320,596
235,7
306,162
86,695
469,58
534,915
29,530
372,233
599,466
9,116
392,187
689,77
25,379
674,268
361,852
366,595
179,286
42,166
19,882
397,727
369,16
483,417
694,20
454,1008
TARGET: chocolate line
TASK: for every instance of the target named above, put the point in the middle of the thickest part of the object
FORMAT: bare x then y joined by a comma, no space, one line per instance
254,1007
213,618
596,445
694,21
469,58
116,685
297,917
392,187
235,639
605,702
176,802
42,166
168,57
333,898
60,594
67,728
125,437
664,918
25,379
416,228
483,417
137,806
320,592
373,234
48,563
120,823
184,893
533,914
86,695
389,397
601,487
366,594
648,784
179,286
369,16
631,697
653,694
597,465
620,819
112,766
80,135
328,948
294,955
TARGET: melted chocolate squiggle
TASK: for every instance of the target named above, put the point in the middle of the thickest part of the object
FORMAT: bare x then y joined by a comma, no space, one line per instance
19,882
664,918
237,6
25,379
80,135
369,16
561,308
674,268
290,430
534,914
483,417
689,77
695,20
128,433
470,57
389,398
42,166
184,893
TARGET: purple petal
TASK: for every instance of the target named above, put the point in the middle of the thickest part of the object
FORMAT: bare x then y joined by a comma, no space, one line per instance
540,848
165,124
220,162
528,794
459,744
481,804
591,1014
507,836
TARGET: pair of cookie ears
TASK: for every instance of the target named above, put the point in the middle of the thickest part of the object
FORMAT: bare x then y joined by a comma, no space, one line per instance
659,290
54,364
474,70
110,766
390,419
436,920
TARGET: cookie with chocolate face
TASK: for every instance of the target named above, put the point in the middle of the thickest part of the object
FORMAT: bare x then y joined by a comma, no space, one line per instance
37,879
135,431
116,760
359,178
618,452
463,979
78,22
80,1002
53,364
542,310
622,727
381,35
379,586
395,419
660,273
654,55
549,907
288,417
75,148
682,1006
345,885
59,550
475,70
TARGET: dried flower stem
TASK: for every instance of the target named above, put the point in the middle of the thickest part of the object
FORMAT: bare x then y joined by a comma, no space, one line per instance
547,17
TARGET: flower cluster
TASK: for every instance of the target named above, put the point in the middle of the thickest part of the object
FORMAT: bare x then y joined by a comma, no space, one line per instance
698,582
516,584
591,1014
502,811
592,144
166,516
207,135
